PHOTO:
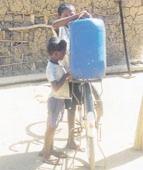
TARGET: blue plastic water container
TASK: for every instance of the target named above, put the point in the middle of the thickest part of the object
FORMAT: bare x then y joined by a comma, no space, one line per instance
88,49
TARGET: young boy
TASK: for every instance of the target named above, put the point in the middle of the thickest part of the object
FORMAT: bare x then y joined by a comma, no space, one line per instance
57,76
67,13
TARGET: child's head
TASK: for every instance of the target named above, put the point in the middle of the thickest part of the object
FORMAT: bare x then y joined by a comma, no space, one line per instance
56,48
65,10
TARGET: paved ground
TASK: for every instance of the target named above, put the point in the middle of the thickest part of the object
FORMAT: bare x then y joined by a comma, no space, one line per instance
23,115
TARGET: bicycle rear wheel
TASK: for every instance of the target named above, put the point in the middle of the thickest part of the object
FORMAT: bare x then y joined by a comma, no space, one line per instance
90,117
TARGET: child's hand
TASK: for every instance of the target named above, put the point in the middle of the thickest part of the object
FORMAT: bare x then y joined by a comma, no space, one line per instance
68,76
84,14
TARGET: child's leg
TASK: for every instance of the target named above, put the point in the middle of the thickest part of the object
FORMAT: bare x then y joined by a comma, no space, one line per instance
51,127
76,99
55,107
71,125
71,144
48,142
48,149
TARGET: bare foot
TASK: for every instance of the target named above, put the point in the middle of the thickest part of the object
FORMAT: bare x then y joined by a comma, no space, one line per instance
53,161
58,154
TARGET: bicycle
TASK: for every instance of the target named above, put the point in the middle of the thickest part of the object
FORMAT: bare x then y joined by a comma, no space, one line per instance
88,120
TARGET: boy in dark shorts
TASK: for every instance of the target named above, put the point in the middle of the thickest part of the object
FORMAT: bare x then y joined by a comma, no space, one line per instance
67,13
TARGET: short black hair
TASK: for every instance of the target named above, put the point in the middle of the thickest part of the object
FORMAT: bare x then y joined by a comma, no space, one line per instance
56,44
63,7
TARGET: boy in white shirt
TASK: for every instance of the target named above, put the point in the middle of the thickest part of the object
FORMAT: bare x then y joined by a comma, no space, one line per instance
57,76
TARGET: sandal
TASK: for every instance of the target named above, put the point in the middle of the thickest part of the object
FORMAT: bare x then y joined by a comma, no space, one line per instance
59,154
52,161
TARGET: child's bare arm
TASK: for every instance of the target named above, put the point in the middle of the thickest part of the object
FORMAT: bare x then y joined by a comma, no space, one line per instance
64,21
57,84
84,14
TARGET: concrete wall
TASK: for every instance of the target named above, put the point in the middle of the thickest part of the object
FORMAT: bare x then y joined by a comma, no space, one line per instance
29,46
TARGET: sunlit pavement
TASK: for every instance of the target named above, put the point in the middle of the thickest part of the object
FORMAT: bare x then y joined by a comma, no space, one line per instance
22,126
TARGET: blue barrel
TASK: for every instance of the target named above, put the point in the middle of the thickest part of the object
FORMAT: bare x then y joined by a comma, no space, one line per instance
87,49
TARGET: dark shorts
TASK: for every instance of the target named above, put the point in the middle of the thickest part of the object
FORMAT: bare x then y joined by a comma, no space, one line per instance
55,111
75,94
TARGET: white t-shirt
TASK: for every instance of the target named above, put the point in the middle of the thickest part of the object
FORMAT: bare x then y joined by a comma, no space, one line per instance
55,72
64,35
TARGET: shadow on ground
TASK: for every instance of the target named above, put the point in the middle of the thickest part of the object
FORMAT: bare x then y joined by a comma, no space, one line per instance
25,161
31,161
123,157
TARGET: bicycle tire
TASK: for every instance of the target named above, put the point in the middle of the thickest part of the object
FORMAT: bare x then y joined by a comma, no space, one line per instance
89,111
